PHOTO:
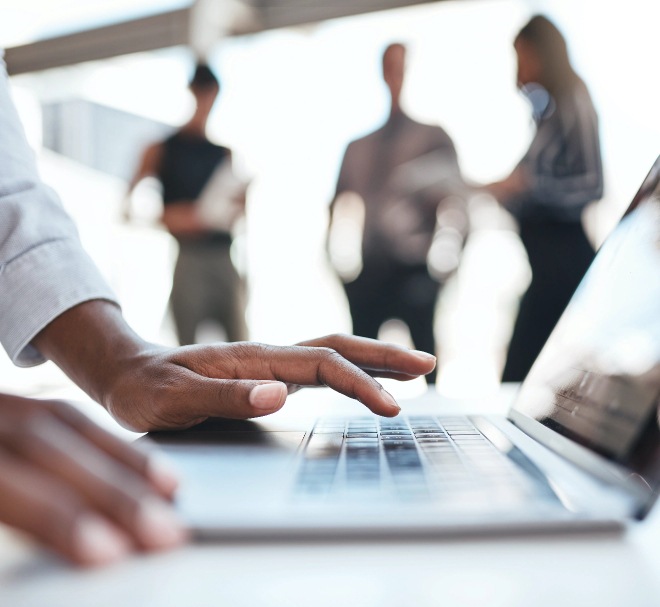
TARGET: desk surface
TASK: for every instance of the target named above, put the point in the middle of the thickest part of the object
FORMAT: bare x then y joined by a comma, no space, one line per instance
604,569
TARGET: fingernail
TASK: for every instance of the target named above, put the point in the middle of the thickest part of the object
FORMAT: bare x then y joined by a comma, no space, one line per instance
425,356
390,401
161,473
157,525
96,542
268,396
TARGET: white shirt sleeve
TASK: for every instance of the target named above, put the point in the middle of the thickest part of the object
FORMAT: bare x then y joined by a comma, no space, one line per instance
44,270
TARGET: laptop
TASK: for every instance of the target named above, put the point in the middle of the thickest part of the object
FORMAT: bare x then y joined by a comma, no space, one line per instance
578,449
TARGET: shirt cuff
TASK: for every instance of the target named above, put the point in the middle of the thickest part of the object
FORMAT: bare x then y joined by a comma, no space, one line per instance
39,286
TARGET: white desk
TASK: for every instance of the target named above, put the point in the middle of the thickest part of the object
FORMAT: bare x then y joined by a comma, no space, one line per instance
603,569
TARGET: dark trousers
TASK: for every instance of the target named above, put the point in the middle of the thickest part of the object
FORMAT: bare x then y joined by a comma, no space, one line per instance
399,291
559,254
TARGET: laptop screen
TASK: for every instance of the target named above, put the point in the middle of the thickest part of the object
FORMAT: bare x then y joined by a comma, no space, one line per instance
597,380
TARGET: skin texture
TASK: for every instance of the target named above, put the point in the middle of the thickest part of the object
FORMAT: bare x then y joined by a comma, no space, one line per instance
91,497
78,489
148,387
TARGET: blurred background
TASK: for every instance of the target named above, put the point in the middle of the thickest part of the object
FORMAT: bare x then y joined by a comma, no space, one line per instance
299,81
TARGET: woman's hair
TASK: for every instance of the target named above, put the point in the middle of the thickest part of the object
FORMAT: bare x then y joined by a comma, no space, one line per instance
557,73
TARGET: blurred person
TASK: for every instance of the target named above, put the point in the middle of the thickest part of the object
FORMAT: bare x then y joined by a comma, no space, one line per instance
206,285
548,190
401,172
63,480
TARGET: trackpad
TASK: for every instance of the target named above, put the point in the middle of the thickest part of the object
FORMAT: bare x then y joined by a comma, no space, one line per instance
223,472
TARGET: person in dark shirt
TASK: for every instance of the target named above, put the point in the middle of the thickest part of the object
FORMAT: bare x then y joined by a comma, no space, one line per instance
206,285
560,175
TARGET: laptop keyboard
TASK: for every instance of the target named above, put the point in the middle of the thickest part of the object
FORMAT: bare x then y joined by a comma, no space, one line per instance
414,458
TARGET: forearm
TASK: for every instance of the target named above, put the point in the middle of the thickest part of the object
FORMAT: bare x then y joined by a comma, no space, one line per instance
182,219
91,343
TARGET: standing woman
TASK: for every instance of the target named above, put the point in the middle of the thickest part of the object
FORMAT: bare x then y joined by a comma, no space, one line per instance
205,285
560,174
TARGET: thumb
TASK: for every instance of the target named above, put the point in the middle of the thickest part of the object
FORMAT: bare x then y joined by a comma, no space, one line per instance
268,396
238,398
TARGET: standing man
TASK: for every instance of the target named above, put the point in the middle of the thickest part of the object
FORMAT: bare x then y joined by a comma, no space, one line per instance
402,172
206,285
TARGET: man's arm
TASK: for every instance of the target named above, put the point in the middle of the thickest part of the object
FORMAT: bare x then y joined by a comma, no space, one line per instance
44,270
63,480
91,497
149,387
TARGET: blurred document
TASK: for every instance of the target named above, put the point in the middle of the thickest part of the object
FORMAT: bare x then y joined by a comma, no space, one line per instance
222,200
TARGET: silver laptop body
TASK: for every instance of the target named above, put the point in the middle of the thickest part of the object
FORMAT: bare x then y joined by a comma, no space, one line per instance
578,449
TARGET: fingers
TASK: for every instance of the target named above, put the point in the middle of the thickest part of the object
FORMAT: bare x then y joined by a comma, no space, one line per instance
378,358
151,466
58,484
307,366
48,510
314,366
234,398
246,380
344,363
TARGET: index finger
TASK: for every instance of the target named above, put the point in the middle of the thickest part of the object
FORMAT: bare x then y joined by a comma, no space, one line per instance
376,357
321,366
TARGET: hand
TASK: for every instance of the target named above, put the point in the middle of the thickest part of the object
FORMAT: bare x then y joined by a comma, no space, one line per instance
147,387
507,188
178,388
79,489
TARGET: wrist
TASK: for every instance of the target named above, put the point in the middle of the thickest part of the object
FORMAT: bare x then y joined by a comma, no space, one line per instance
93,345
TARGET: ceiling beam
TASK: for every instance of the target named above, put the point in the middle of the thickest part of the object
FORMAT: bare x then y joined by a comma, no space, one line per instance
272,14
139,35
198,26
